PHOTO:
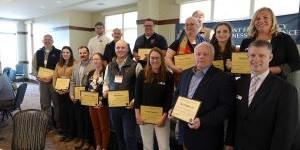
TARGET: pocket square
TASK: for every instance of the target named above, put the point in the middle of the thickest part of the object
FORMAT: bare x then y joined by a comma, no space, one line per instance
239,97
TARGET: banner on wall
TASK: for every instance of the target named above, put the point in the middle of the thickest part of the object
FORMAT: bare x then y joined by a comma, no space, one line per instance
289,24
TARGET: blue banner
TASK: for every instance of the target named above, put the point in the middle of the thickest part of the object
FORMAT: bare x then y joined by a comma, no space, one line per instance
289,24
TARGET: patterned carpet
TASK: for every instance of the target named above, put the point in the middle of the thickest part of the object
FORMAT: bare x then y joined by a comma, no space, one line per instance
31,101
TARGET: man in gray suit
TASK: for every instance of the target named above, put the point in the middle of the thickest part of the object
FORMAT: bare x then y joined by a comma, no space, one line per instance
82,118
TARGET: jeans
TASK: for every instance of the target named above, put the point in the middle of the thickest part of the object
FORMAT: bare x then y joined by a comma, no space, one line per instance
123,122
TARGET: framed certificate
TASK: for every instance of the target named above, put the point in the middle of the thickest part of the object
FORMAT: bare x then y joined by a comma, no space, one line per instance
184,61
89,98
240,63
142,52
186,109
77,91
118,98
45,72
62,83
219,64
151,114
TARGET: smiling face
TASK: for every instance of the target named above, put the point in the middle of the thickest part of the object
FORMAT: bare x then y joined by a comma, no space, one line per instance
263,21
191,25
121,49
66,54
155,60
259,59
148,25
97,61
48,41
84,54
223,33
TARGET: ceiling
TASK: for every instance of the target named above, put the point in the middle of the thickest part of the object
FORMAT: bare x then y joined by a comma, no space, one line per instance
26,9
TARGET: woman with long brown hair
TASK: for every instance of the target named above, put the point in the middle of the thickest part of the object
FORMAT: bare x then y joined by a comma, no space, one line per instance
63,70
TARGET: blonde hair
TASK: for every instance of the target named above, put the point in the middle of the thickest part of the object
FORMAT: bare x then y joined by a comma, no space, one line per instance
252,32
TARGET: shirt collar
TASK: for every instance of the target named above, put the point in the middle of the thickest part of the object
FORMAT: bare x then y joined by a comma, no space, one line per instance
195,71
262,76
85,63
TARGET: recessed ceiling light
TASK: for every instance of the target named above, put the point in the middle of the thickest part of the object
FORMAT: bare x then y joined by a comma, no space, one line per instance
58,2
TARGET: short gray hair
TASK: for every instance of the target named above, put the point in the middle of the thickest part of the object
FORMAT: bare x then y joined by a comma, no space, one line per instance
206,45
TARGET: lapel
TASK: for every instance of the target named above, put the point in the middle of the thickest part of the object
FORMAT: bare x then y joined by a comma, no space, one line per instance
260,94
186,82
243,86
205,81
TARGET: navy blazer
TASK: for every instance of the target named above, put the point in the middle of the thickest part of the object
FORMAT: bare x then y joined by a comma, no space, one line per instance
216,92
269,123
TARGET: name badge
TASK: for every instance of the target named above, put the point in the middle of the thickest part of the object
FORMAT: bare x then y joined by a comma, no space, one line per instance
118,79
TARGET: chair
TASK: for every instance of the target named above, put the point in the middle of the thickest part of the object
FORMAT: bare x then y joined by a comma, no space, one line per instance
29,130
17,101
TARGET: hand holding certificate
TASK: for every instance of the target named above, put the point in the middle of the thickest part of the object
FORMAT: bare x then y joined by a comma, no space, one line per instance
77,91
89,98
240,63
62,84
118,98
151,114
186,109
184,61
142,52
45,72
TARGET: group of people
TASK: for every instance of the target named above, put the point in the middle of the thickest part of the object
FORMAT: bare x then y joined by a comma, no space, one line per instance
261,108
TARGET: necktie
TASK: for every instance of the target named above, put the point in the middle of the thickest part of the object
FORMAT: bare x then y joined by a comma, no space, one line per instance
253,88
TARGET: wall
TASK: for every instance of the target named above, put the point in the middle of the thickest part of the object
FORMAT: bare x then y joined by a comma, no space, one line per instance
72,28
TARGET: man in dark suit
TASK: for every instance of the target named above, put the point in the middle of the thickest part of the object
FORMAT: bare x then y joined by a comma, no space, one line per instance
266,106
214,89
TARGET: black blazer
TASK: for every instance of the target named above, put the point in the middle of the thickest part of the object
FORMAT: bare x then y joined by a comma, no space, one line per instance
270,121
217,95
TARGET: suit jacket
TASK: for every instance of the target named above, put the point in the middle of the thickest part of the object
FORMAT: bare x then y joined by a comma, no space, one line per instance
216,93
75,80
269,123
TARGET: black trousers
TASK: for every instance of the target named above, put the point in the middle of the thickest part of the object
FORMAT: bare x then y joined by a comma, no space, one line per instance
66,115
83,123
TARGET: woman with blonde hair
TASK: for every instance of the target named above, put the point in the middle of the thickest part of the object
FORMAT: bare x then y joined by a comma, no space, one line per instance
264,26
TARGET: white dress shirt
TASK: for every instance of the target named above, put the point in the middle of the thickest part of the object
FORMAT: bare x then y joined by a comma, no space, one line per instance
98,43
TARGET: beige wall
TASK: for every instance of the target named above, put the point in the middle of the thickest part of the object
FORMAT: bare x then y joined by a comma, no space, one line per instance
62,37
156,9
100,16
167,9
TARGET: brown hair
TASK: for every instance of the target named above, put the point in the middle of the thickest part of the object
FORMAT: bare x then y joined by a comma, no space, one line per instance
99,24
81,47
229,46
149,74
62,61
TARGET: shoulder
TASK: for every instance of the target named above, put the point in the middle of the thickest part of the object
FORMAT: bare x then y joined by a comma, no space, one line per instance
158,36
141,37
186,72
282,36
91,72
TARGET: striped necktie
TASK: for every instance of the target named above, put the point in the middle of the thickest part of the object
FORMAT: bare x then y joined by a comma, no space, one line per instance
253,88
